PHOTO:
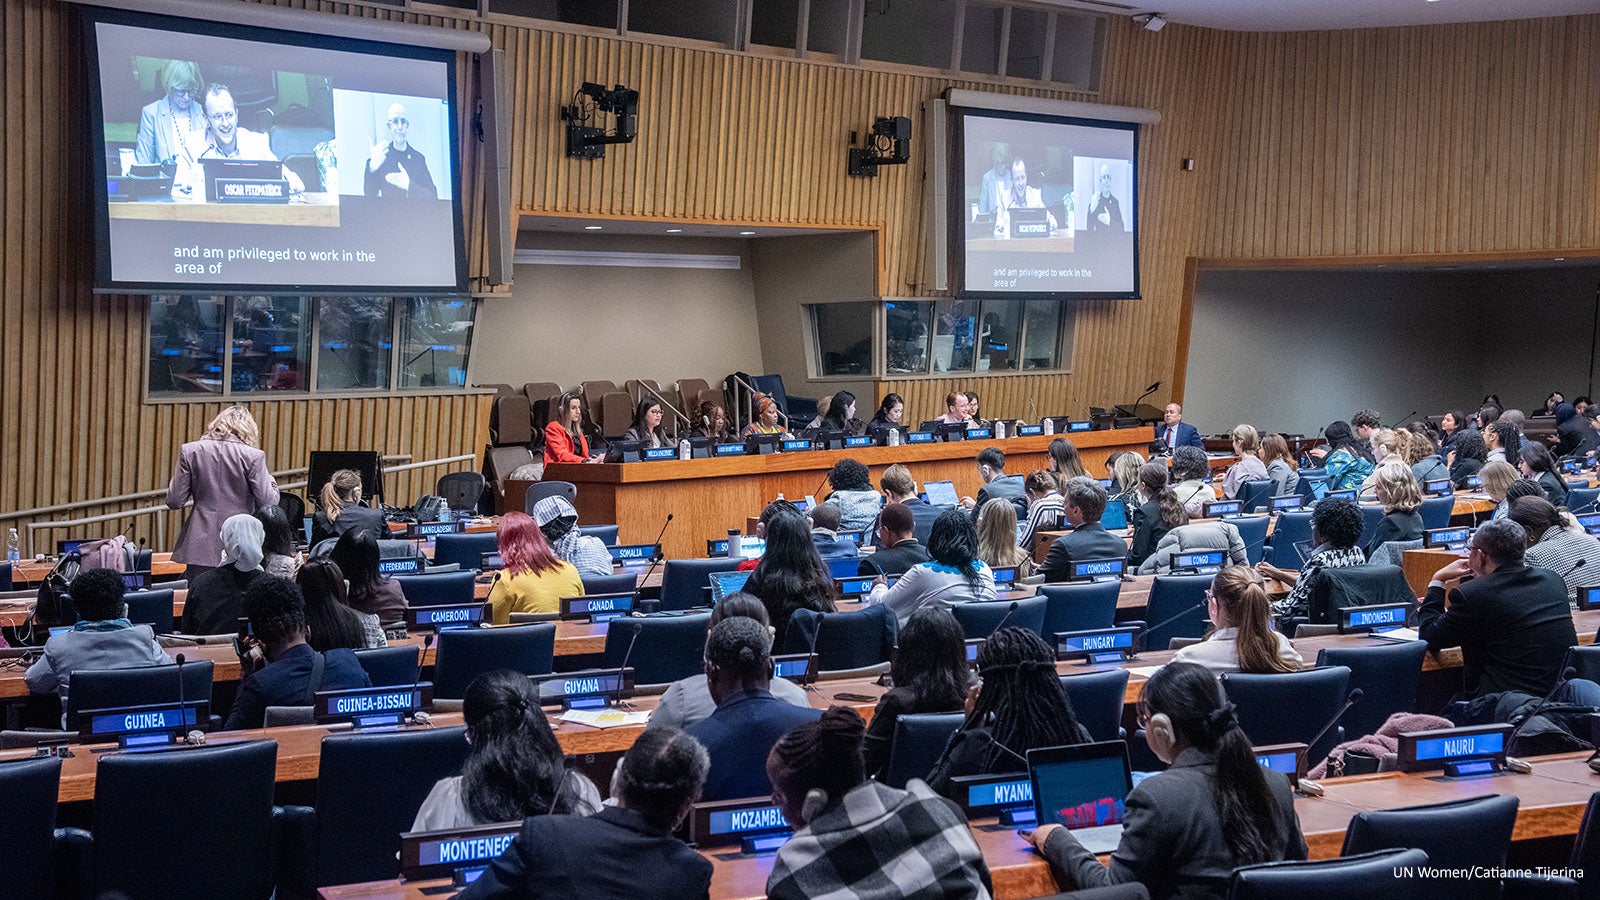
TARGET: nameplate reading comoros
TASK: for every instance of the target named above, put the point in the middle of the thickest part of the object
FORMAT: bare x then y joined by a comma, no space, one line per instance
1422,751
1098,568
434,854
387,703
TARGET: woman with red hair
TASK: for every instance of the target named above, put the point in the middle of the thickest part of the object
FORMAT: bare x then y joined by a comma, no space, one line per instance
534,579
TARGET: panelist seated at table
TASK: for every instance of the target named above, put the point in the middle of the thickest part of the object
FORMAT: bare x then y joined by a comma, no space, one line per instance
290,672
103,638
534,580
1243,639
1085,501
898,548
953,573
564,441
956,410
623,852
646,430
712,424
515,769
1213,809
687,701
1511,620
918,842
766,417
1174,432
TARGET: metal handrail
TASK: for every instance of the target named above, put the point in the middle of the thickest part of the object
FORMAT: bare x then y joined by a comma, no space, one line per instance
749,402
677,413
161,523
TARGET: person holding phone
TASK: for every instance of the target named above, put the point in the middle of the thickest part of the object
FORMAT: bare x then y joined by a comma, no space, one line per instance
275,655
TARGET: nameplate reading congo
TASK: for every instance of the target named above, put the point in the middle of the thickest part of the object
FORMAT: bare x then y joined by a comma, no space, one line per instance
436,854
372,706
1204,563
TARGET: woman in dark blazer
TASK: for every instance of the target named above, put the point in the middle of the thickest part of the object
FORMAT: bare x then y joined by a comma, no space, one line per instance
1212,810
1538,464
225,475
1156,516
1401,496
1467,457
341,509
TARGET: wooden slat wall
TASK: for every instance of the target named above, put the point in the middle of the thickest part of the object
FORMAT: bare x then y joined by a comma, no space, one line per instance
1416,140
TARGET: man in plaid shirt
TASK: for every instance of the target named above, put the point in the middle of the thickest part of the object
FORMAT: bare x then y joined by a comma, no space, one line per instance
858,839
559,522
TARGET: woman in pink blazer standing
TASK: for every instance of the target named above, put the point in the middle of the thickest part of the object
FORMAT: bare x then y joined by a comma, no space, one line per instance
225,475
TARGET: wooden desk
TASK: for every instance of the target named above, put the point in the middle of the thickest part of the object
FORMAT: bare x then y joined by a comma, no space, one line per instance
28,572
707,497
313,208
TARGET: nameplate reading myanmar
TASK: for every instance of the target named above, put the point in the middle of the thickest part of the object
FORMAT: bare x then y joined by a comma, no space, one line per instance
250,190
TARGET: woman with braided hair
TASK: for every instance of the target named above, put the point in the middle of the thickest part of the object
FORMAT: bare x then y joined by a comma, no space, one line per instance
858,838
1017,705
1212,810
515,768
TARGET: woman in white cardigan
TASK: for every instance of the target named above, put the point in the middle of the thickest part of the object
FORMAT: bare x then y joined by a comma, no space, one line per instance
1244,640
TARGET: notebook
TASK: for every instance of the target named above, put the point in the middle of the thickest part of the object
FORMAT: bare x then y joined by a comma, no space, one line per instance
1082,787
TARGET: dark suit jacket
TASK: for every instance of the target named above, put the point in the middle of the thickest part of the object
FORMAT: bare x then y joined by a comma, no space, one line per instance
1148,530
286,681
1008,487
351,517
922,517
1513,628
1464,468
894,560
1395,526
1188,436
1555,490
216,601
612,855
1577,437
1172,841
1087,541
831,547
740,734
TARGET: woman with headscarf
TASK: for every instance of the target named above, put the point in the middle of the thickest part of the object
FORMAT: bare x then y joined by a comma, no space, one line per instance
216,597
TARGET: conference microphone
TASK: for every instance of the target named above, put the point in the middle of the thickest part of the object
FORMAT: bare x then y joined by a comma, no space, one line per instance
1404,419
1575,567
1006,618
1350,700
195,735
821,483
1162,624
659,554
616,698
1567,675
421,717
811,653
1305,455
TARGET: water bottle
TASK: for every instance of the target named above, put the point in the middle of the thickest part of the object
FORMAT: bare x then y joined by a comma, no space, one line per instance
999,430
13,548
683,448
894,437
1049,425
780,495
445,514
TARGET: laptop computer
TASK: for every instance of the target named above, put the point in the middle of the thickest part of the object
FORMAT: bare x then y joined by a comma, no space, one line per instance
1116,515
941,493
1083,788
725,583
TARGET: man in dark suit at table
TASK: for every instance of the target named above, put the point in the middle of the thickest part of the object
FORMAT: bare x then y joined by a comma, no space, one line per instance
293,670
1174,432
1510,620
997,484
1084,501
623,851
825,533
898,548
898,484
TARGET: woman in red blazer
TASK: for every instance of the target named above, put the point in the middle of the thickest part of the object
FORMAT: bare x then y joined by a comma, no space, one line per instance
563,438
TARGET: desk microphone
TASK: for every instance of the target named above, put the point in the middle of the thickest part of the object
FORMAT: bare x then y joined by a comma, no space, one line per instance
1350,700
811,653
818,489
1400,423
627,654
1006,618
421,717
659,555
1567,675
195,736
1162,624
1575,567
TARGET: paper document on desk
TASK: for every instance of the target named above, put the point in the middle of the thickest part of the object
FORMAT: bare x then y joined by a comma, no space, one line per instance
1399,634
1143,671
605,718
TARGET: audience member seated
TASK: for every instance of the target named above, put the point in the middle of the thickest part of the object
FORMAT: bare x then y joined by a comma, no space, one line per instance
1385,445
889,413
996,483
215,600
1453,426
289,672
1190,469
1246,446
898,548
533,580
1017,705
1504,442
1243,639
711,423
623,852
515,769
930,674
1065,461
1401,497
341,509
1363,423
564,441
1488,414
766,416
278,556
1123,469
860,839
558,522
841,415
1336,526
103,638
955,409
1538,465
997,538
825,533
1196,537
1158,512
1498,477
1045,506
853,495
791,574
1345,462
1173,432
748,719
1426,463
767,512
1212,810
332,623
1467,457
953,574
1570,552
1085,502
1574,435
898,485
1511,620
688,700
356,554
1281,466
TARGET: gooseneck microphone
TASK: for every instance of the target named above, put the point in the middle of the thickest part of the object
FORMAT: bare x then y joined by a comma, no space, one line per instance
655,560
1350,700
1162,624
622,669
811,654
421,717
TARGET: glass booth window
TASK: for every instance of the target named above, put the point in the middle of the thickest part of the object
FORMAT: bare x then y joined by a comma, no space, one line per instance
271,344
843,337
186,335
355,343
1000,336
436,337
954,322
908,324
1042,341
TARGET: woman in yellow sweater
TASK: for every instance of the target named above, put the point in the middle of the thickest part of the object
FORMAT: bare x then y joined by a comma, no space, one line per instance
534,579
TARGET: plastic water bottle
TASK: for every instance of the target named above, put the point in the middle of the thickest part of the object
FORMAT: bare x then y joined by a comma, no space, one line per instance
1049,425
999,430
445,513
894,437
683,448
13,548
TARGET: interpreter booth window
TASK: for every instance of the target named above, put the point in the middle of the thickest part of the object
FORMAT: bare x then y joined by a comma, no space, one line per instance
954,329
933,337
270,343
186,340
436,336
842,336
908,328
355,343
